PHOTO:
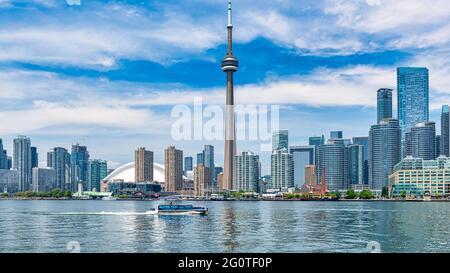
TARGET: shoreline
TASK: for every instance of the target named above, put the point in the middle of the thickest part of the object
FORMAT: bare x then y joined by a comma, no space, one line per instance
217,200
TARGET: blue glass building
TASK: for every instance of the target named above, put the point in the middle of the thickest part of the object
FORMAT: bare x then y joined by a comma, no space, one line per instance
413,98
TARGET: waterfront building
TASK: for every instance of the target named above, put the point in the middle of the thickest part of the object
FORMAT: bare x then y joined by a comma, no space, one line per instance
364,141
332,165
59,159
79,160
384,152
418,177
229,66
173,171
413,99
336,135
43,179
98,170
280,140
384,104
9,181
421,141
356,164
445,131
188,164
208,161
247,172
303,156
202,180
143,165
22,161
34,157
282,169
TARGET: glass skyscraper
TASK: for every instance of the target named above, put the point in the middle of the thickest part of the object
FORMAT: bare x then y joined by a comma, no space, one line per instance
3,157
364,141
356,164
422,140
34,157
208,161
384,152
445,134
59,159
316,140
332,165
413,100
79,162
384,104
188,164
336,135
303,156
280,140
98,170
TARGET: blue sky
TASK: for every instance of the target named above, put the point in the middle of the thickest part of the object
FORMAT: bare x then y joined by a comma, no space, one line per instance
107,73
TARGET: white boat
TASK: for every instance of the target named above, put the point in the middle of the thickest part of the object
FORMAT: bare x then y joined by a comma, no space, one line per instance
109,198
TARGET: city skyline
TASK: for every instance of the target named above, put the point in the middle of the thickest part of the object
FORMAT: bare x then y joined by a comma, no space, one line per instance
102,97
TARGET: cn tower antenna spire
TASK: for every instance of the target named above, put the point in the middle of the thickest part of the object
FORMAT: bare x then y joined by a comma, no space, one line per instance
229,14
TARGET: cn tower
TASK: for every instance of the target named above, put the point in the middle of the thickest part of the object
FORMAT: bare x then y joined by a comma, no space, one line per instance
229,66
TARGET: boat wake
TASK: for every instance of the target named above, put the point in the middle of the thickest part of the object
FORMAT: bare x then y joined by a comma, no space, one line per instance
119,213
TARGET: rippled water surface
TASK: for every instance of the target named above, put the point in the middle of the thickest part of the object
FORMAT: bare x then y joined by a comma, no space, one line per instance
131,226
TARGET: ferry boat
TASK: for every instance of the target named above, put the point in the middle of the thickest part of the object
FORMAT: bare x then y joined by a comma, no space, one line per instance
181,209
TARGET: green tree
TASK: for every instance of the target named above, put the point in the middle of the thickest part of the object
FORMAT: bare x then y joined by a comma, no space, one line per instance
351,194
366,194
385,192
403,194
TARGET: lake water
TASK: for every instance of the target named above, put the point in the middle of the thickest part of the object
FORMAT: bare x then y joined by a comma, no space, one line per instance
129,226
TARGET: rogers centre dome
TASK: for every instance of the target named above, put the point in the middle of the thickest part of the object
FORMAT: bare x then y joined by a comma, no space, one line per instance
127,173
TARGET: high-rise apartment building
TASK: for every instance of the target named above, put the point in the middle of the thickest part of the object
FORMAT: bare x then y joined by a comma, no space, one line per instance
445,131
384,104
356,164
98,170
79,159
143,161
332,165
43,179
208,161
282,169
247,172
22,161
384,152
364,141
34,157
59,159
421,141
202,180
173,171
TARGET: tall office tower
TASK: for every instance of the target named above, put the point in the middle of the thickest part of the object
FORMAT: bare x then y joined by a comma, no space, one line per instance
188,164
310,175
282,169
445,131
332,165
364,141
229,66
336,135
217,171
413,88
200,158
208,153
98,170
3,157
34,157
384,104
316,140
43,179
356,164
79,162
384,152
280,140
202,180
173,172
303,156
59,159
143,161
22,161
438,145
247,172
422,140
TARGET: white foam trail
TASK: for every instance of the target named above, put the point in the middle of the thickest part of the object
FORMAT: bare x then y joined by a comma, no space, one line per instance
123,213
